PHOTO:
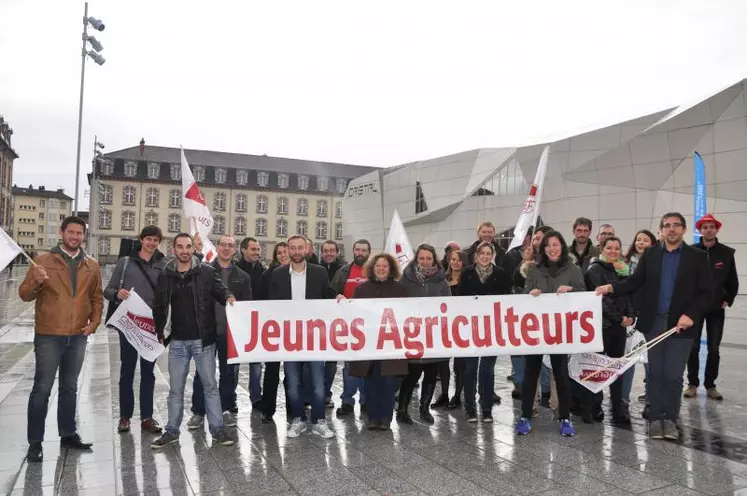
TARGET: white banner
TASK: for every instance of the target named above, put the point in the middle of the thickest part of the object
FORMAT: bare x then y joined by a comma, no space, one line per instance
9,249
398,328
135,319
585,366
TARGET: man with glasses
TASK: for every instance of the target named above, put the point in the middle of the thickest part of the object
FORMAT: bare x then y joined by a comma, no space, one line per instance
605,231
674,281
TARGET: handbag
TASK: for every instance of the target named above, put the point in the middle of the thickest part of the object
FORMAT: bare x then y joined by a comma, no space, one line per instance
112,307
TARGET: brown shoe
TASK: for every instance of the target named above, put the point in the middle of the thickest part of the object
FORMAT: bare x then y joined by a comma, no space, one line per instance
690,392
124,425
714,394
150,425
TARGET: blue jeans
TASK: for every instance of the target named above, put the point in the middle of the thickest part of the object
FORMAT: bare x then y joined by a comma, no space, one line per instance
481,380
180,354
128,359
517,369
293,374
350,385
381,391
666,366
65,353
255,382
330,370
228,379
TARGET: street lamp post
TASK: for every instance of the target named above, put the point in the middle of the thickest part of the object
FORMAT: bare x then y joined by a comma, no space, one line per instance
96,47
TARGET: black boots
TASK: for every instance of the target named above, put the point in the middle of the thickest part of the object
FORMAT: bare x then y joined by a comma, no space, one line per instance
426,395
403,415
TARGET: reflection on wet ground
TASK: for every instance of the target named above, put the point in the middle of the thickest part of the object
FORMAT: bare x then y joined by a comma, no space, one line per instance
449,457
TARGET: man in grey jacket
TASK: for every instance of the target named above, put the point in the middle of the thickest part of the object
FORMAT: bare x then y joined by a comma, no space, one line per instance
138,272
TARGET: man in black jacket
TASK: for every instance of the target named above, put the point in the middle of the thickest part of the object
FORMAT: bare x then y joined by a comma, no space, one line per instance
726,287
486,234
238,283
190,289
675,290
330,256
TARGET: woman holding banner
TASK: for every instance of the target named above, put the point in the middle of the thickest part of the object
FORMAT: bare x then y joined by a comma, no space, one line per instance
617,314
458,261
483,278
554,272
380,376
423,278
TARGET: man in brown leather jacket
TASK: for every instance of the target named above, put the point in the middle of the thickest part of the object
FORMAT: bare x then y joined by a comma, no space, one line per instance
66,285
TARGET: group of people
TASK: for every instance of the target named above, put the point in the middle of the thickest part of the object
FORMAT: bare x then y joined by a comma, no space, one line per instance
659,283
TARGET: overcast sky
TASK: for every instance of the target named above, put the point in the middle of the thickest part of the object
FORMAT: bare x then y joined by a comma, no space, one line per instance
372,83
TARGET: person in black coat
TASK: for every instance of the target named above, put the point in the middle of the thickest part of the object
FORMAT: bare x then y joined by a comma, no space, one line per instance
676,290
483,278
617,315
250,262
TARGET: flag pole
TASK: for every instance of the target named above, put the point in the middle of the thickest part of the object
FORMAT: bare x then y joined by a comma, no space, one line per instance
31,260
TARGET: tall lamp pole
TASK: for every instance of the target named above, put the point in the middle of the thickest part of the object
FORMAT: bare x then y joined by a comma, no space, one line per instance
96,47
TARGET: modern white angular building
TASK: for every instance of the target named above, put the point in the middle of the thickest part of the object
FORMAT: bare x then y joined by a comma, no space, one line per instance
627,175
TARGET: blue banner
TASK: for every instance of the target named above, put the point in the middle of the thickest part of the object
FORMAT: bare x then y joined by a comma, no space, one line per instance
700,193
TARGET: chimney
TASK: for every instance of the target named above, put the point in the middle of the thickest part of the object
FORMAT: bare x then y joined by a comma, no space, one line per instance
61,190
41,188
142,146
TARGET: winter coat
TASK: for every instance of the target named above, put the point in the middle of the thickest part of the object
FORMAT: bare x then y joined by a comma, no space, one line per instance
497,283
614,307
135,278
435,286
538,277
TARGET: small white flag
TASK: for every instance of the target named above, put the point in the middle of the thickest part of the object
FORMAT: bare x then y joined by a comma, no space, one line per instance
528,216
135,319
196,210
596,372
9,249
398,244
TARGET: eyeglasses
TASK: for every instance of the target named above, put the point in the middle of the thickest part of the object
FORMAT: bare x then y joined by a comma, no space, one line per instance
675,225
228,245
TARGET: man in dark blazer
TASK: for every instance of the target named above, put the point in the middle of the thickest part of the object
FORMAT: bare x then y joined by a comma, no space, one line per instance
300,280
675,290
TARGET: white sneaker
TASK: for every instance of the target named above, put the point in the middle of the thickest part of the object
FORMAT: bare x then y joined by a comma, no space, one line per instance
322,429
196,422
297,427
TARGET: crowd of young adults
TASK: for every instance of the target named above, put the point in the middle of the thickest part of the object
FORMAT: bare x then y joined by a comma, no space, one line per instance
658,283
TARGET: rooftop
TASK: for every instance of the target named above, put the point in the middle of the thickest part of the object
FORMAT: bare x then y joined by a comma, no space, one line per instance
41,191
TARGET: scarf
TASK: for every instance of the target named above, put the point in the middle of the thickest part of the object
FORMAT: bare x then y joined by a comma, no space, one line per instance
424,274
484,273
621,268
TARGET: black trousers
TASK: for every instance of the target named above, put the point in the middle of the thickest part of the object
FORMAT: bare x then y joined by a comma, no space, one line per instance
444,373
614,347
270,387
714,323
562,384
429,371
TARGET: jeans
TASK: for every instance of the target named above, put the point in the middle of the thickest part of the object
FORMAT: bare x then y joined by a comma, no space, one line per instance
65,353
228,379
614,347
180,354
517,369
293,374
350,385
481,380
270,388
380,394
255,382
666,365
627,382
128,358
330,370
714,323
562,383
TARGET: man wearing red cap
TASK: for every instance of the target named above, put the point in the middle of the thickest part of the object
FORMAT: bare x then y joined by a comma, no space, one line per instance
726,286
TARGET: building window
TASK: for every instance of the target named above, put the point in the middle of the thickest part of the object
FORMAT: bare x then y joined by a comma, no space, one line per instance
302,228
128,195
107,192
342,185
151,219
128,221
40,242
282,205
241,202
220,225
260,227
282,229
130,169
105,245
303,207
199,173
338,210
151,197
219,202
154,171
321,208
263,179
105,219
321,230
322,183
176,172
41,215
41,229
239,226
420,204
175,198
242,177
107,168
261,204
338,230
41,203
283,180
303,182
175,223
220,175
63,205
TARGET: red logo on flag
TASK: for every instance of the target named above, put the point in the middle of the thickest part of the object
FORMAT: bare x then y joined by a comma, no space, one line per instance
194,194
209,256
144,323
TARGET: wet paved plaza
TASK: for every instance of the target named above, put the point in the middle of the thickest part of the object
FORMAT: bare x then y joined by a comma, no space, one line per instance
449,457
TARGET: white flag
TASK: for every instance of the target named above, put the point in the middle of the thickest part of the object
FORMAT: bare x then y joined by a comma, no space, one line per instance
9,249
398,244
135,319
529,213
196,210
586,366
